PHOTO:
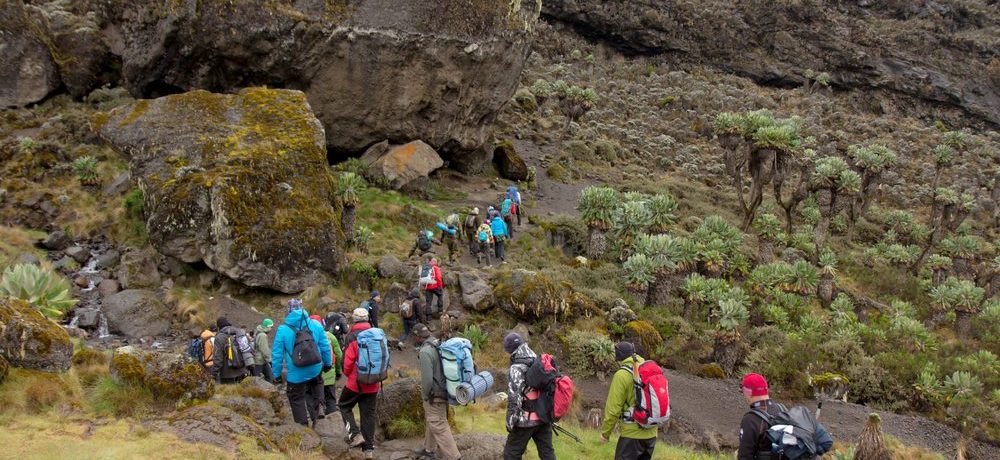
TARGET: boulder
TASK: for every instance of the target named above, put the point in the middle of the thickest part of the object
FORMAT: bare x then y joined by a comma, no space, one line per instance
390,267
393,297
137,269
78,253
108,288
530,296
109,260
27,69
88,318
215,425
137,313
509,164
171,376
480,446
237,181
77,42
31,341
476,293
373,70
403,164
56,241
238,313
399,399
4,369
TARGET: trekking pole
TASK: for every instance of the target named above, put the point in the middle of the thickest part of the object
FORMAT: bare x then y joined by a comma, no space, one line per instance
558,429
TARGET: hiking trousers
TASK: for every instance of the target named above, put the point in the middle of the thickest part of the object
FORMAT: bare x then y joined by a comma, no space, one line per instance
634,449
509,220
304,398
484,250
429,297
500,251
408,325
437,433
264,371
330,399
366,401
517,442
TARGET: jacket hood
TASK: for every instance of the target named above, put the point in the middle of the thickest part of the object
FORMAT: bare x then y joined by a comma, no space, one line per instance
632,360
523,355
261,329
295,319
357,327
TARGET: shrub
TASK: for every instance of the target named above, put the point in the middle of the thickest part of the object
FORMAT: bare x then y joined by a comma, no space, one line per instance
644,336
134,205
476,335
45,290
86,169
590,352
349,187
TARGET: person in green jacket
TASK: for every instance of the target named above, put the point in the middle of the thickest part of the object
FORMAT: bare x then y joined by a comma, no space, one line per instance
262,351
635,442
330,377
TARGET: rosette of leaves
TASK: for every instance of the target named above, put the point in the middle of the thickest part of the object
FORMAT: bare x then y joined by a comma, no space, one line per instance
663,212
776,275
85,168
43,289
362,237
640,272
542,90
827,270
631,218
349,188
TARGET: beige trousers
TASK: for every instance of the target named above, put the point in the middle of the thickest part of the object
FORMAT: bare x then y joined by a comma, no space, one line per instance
437,434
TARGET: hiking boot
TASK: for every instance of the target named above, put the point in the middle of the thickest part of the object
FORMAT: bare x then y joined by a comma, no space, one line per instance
369,454
424,453
356,441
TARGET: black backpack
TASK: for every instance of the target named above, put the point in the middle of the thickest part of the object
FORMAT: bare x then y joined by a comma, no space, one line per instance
196,350
337,325
305,353
538,378
423,242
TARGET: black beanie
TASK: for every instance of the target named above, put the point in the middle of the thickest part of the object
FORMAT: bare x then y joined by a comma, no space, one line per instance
222,322
624,350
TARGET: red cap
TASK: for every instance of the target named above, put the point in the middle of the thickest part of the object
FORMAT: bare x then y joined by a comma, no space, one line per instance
317,318
756,384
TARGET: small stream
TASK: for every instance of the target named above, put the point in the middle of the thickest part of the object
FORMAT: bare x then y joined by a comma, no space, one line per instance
89,297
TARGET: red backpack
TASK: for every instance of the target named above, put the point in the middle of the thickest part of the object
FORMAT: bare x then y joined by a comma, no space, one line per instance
556,390
652,396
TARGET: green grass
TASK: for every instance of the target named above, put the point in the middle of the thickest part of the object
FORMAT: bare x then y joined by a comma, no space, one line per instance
478,418
390,215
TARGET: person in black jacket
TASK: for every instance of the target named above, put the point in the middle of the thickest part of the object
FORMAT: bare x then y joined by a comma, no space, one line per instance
754,443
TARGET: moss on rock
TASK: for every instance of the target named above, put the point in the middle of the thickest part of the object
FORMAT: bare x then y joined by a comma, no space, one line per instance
531,296
168,377
644,336
29,340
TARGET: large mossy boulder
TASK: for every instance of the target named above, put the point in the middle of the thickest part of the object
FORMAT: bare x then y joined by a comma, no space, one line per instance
531,296
399,401
27,70
237,181
137,313
216,425
28,340
169,376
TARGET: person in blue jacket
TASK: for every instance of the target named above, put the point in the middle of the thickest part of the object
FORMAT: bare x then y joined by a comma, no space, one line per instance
305,384
499,229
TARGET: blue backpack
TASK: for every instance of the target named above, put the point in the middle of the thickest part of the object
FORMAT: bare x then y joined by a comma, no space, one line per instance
373,356
505,207
456,363
196,350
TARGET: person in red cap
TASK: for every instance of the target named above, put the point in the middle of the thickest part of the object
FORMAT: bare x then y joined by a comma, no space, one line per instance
754,443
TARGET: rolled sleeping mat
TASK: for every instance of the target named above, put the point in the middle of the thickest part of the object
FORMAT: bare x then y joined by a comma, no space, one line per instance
477,386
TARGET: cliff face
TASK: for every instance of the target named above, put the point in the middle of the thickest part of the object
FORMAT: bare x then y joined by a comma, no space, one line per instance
924,53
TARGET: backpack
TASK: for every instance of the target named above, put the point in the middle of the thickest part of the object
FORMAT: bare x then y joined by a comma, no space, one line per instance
305,352
424,242
406,309
483,236
652,396
514,194
452,220
555,390
337,325
513,209
505,208
795,434
236,351
426,275
196,350
367,305
373,356
456,364
470,222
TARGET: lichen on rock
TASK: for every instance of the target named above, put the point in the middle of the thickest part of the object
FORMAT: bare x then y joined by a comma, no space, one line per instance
28,340
238,181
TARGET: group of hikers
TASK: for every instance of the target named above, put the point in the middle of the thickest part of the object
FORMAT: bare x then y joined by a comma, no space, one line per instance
486,237
310,354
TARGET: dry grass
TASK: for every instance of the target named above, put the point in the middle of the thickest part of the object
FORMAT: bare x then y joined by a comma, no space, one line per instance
17,241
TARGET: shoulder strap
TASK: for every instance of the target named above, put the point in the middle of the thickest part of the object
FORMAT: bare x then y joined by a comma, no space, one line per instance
763,415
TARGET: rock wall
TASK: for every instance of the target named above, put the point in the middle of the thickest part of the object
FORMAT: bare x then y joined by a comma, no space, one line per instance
926,53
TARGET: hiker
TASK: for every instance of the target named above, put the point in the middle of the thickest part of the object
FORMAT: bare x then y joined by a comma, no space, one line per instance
252,362
262,355
207,358
492,212
755,444
522,425
507,210
331,376
635,442
232,355
412,313
424,243
304,344
435,287
484,238
469,230
372,306
449,239
354,393
434,393
515,196
336,323
499,229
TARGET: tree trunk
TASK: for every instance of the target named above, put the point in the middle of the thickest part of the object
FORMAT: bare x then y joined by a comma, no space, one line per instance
823,226
347,222
938,276
598,244
765,253
639,293
729,351
963,323
661,289
824,290
761,172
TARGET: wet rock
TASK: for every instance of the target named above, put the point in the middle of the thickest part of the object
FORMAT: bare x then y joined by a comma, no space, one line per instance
88,318
78,253
56,241
29,340
81,281
109,260
76,332
137,313
198,158
401,165
108,288
509,164
138,269
65,263
476,293
27,69
376,70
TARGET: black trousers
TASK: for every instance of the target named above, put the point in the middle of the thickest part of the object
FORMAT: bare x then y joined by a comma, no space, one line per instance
429,297
330,397
349,399
304,398
634,449
517,442
263,370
